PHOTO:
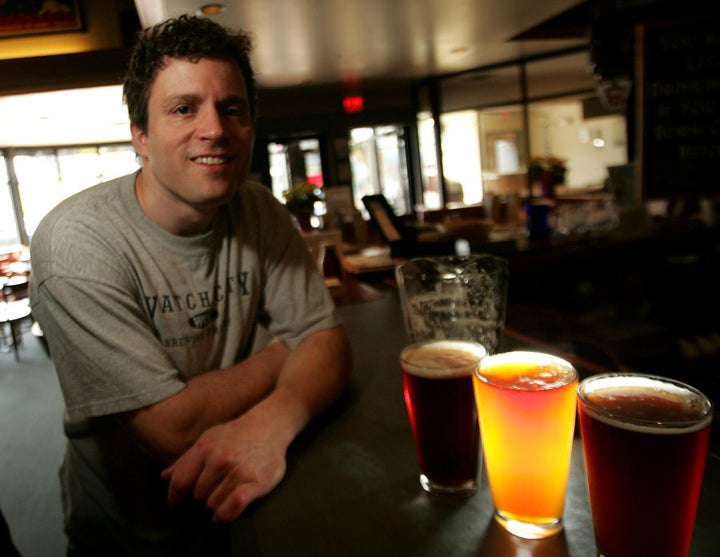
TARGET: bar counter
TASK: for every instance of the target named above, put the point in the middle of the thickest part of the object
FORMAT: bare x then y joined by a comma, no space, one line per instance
352,488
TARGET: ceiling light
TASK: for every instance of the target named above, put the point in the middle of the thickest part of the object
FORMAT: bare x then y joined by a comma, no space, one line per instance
214,8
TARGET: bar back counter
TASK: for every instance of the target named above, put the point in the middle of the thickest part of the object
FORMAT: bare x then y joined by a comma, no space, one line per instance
352,488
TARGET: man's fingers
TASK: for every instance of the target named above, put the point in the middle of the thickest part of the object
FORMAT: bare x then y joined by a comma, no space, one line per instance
182,475
167,473
237,491
211,478
228,507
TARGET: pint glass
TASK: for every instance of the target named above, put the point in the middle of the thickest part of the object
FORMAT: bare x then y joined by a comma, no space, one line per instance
526,404
437,383
455,297
645,441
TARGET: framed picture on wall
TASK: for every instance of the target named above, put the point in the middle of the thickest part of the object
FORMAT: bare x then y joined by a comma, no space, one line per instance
19,18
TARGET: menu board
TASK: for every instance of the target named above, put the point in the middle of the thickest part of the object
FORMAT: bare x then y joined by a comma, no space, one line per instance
679,90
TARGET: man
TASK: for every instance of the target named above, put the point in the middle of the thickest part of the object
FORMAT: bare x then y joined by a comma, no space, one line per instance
153,289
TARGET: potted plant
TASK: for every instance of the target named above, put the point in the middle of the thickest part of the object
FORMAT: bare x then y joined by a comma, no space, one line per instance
548,172
305,200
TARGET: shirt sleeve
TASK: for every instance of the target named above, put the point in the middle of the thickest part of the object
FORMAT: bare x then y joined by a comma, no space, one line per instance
296,301
107,357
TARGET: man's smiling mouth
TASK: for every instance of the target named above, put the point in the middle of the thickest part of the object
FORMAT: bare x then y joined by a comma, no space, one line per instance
211,160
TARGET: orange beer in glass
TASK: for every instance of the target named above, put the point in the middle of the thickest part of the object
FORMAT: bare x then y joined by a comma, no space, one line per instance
526,407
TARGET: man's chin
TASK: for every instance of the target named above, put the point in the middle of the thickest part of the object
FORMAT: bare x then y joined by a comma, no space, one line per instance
215,198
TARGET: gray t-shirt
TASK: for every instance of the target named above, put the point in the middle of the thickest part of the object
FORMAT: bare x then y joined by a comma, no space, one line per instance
131,312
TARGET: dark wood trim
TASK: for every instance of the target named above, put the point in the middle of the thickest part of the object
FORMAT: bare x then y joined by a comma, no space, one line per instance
63,71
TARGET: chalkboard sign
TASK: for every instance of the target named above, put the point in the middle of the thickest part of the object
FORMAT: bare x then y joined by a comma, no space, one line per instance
680,116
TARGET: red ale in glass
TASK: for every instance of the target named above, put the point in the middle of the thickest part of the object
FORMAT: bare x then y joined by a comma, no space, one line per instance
645,441
438,389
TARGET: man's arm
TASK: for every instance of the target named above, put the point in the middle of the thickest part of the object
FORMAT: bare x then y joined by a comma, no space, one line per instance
170,426
236,462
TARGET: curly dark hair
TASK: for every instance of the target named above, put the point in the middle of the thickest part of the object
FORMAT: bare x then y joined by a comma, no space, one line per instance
185,37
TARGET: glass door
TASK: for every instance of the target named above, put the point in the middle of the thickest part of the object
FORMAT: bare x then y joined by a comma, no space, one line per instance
378,163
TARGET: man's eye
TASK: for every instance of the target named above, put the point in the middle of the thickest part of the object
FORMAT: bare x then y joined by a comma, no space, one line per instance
236,111
183,109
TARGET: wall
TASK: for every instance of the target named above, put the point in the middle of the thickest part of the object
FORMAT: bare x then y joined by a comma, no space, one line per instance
97,56
559,129
102,32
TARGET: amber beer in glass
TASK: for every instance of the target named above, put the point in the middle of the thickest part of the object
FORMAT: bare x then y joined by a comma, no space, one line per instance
437,384
526,405
645,441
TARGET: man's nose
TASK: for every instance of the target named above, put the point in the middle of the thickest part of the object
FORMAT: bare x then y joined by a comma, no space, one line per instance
211,125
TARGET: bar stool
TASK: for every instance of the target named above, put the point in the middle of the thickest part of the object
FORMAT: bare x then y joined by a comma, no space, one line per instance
13,313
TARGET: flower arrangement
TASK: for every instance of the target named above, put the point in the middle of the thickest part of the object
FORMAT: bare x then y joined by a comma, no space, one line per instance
302,197
552,166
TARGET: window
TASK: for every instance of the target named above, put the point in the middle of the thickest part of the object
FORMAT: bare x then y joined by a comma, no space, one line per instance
493,120
378,164
47,176
461,157
431,194
8,225
39,185
295,161
589,144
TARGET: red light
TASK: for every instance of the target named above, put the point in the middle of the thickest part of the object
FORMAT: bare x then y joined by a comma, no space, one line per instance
353,104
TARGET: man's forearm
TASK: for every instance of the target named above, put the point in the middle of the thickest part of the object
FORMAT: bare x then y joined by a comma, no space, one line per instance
170,426
315,373
236,462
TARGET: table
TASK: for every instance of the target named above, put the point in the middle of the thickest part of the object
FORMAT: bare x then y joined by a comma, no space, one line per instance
14,286
351,487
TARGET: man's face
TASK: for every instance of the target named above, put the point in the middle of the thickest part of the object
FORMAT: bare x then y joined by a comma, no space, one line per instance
198,144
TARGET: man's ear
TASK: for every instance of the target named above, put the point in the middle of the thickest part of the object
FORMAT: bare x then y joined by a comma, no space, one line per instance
139,140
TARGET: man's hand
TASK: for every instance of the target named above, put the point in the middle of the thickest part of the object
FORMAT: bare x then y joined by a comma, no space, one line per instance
230,466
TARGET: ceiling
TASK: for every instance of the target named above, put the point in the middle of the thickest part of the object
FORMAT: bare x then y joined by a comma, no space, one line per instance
301,42
351,43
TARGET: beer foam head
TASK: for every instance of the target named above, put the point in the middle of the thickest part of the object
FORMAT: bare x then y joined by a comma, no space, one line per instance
441,359
526,371
645,403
